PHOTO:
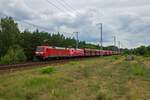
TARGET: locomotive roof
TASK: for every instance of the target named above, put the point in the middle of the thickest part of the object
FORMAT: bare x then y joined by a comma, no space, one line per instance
59,47
73,48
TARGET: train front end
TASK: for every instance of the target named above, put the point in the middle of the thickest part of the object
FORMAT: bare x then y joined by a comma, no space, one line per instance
40,52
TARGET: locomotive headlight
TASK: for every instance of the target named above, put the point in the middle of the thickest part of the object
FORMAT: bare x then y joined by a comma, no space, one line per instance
39,53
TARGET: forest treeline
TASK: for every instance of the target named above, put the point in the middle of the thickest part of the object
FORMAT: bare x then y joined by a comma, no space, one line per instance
140,51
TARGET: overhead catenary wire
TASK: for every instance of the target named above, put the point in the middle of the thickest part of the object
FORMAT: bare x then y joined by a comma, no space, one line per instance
54,5
65,7
34,25
70,6
26,22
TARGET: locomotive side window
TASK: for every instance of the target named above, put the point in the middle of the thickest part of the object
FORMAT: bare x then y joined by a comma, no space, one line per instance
39,49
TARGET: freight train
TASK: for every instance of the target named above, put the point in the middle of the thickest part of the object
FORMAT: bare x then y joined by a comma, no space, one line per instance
45,52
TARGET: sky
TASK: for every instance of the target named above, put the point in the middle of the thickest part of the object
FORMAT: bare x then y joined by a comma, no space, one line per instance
128,20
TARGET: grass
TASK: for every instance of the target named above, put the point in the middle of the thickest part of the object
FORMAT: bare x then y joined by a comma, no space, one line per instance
47,70
103,78
137,70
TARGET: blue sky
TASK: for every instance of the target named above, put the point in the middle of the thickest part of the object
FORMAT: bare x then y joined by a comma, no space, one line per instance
128,20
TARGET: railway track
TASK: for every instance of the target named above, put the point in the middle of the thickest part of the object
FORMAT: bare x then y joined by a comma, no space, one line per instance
33,64
14,67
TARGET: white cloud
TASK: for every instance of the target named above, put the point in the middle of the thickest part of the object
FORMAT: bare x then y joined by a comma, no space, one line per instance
128,20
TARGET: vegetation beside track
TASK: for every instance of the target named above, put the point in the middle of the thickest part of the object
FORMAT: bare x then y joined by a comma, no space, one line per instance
103,78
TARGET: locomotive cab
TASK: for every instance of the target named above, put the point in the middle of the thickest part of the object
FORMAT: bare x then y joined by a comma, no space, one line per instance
40,52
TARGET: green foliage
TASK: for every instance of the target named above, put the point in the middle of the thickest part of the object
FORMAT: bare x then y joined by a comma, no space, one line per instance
27,44
137,70
47,70
73,63
13,55
111,48
86,71
141,51
9,34
101,95
115,57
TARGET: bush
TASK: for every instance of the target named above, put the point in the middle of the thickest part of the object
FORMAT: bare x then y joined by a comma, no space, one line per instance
115,57
14,55
47,70
137,70
101,95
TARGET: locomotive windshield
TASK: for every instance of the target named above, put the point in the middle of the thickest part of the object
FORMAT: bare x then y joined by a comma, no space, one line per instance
39,49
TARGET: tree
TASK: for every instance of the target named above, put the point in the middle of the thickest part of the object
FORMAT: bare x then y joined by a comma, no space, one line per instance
26,44
141,51
14,55
9,34
148,50
111,48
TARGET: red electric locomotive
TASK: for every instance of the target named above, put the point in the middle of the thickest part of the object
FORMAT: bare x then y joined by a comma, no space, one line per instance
45,52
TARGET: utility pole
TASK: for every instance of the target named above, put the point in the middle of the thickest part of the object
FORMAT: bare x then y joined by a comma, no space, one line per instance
114,43
101,35
119,46
114,40
77,39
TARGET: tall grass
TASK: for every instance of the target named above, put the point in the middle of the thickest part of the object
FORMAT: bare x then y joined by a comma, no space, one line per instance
136,69
92,79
